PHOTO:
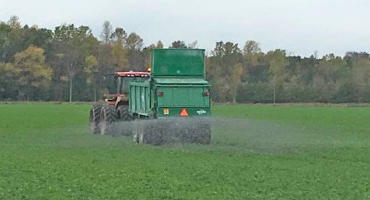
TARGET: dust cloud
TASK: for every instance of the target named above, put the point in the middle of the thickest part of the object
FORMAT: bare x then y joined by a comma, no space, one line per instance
251,135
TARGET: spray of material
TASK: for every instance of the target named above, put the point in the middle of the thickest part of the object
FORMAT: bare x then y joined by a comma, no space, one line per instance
251,135
166,131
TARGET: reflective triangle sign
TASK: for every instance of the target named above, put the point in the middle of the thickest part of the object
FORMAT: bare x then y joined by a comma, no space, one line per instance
184,113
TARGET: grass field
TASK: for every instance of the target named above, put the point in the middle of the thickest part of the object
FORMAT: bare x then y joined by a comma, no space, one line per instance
257,152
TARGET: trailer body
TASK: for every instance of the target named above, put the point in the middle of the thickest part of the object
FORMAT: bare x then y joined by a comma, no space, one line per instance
176,88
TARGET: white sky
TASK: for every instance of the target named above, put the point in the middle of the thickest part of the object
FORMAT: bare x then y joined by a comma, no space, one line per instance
299,26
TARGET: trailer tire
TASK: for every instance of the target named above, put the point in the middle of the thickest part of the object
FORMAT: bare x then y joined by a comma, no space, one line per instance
125,127
108,116
95,117
203,135
149,132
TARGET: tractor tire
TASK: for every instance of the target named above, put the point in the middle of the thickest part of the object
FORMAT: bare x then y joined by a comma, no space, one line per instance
123,113
108,116
125,127
95,117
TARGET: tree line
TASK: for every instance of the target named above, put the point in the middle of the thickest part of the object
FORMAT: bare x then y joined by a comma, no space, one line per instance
69,64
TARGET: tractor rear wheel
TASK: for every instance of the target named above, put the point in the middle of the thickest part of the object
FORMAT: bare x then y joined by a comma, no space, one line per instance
125,127
123,113
95,117
108,116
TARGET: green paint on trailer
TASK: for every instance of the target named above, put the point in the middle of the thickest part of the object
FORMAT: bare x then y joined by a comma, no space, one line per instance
182,96
177,82
178,62
187,81
140,98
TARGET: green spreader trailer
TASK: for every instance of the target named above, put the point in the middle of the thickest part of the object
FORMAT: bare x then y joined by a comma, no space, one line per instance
168,104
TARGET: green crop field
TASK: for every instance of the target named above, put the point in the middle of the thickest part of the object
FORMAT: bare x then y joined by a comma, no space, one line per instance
257,152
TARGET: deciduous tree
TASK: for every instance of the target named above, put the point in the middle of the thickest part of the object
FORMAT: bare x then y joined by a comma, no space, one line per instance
277,62
34,75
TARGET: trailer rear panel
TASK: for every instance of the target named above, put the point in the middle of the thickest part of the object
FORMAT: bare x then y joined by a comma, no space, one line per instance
178,62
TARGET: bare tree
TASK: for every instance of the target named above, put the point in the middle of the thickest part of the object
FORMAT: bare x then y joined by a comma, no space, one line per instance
107,32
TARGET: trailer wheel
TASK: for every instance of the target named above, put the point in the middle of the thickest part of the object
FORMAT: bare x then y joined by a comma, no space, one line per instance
138,132
153,134
125,128
95,117
204,134
149,132
108,116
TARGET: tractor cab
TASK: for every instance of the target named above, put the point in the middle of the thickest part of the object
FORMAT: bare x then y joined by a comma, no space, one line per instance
118,91
124,78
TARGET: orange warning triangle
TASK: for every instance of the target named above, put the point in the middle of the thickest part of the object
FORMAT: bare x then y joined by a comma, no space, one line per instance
184,113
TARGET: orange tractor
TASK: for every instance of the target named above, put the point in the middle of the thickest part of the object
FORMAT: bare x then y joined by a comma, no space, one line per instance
114,107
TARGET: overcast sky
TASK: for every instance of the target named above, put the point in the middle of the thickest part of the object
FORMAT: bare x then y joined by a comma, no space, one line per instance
298,26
